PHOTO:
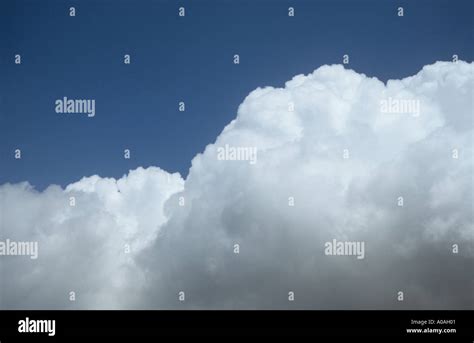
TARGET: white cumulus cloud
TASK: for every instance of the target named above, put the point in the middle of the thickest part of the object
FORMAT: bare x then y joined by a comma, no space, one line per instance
325,146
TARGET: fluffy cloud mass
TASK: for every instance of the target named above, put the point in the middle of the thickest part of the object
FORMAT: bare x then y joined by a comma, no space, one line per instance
337,156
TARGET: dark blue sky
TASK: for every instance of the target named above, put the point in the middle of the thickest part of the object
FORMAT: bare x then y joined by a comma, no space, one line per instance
187,59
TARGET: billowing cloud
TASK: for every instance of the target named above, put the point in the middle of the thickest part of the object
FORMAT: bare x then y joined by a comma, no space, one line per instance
87,248
333,155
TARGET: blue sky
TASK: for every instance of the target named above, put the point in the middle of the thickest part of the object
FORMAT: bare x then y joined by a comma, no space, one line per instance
189,59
